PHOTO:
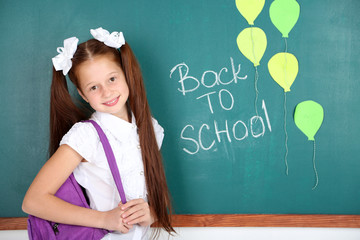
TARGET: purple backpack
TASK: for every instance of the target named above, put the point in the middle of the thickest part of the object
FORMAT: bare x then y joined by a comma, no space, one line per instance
70,191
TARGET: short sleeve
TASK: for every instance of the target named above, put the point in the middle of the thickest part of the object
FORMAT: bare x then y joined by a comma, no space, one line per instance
159,132
82,137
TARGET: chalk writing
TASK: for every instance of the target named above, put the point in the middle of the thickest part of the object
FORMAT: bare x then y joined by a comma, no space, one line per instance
220,99
224,131
205,135
193,83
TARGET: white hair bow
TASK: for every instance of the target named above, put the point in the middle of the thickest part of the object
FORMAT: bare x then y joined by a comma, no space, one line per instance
115,39
62,61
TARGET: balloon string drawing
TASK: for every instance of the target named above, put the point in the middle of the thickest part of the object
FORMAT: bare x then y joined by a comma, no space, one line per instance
308,117
252,41
284,67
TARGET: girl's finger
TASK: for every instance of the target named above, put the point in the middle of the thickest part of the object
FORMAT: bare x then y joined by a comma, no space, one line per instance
125,228
136,208
128,226
132,203
138,220
134,216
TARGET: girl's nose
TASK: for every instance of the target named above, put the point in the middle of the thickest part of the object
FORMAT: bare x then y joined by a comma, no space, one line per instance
106,91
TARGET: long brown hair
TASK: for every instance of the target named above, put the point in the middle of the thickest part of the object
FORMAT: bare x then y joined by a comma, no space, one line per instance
64,113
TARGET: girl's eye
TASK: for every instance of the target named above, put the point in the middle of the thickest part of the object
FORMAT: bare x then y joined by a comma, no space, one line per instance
93,88
112,79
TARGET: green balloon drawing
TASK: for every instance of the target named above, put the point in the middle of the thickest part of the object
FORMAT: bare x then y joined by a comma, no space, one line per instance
308,117
284,15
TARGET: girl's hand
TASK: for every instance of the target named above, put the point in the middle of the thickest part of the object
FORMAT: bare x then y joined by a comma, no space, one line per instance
113,221
137,211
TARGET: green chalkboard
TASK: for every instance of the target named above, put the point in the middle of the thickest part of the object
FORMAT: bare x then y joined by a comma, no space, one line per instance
218,158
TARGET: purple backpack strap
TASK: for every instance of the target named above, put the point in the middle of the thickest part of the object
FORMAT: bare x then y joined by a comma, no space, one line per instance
111,160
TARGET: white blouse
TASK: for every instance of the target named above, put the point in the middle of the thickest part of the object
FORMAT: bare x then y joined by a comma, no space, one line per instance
95,175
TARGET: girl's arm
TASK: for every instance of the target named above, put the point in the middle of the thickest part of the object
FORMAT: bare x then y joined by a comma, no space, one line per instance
40,199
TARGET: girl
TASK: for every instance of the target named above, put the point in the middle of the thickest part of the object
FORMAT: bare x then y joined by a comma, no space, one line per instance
107,76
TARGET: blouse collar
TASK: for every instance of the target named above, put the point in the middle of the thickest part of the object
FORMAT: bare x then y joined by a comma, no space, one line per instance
120,128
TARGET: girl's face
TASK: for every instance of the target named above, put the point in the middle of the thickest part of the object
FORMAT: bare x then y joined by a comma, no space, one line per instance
103,85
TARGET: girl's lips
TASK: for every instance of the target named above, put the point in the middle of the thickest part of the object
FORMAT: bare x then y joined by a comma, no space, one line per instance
112,102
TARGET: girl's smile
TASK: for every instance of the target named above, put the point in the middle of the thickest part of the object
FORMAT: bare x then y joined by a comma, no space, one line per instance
112,102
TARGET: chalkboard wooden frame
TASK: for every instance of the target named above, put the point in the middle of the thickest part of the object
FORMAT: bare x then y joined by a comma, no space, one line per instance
236,220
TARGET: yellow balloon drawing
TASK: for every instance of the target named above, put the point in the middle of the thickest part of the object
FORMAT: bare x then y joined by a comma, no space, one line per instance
252,44
250,9
283,68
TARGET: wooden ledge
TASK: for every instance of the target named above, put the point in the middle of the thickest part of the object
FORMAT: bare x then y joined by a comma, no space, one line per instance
267,220
236,220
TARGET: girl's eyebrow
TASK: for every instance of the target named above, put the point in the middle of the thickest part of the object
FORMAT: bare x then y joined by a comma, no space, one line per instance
110,73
